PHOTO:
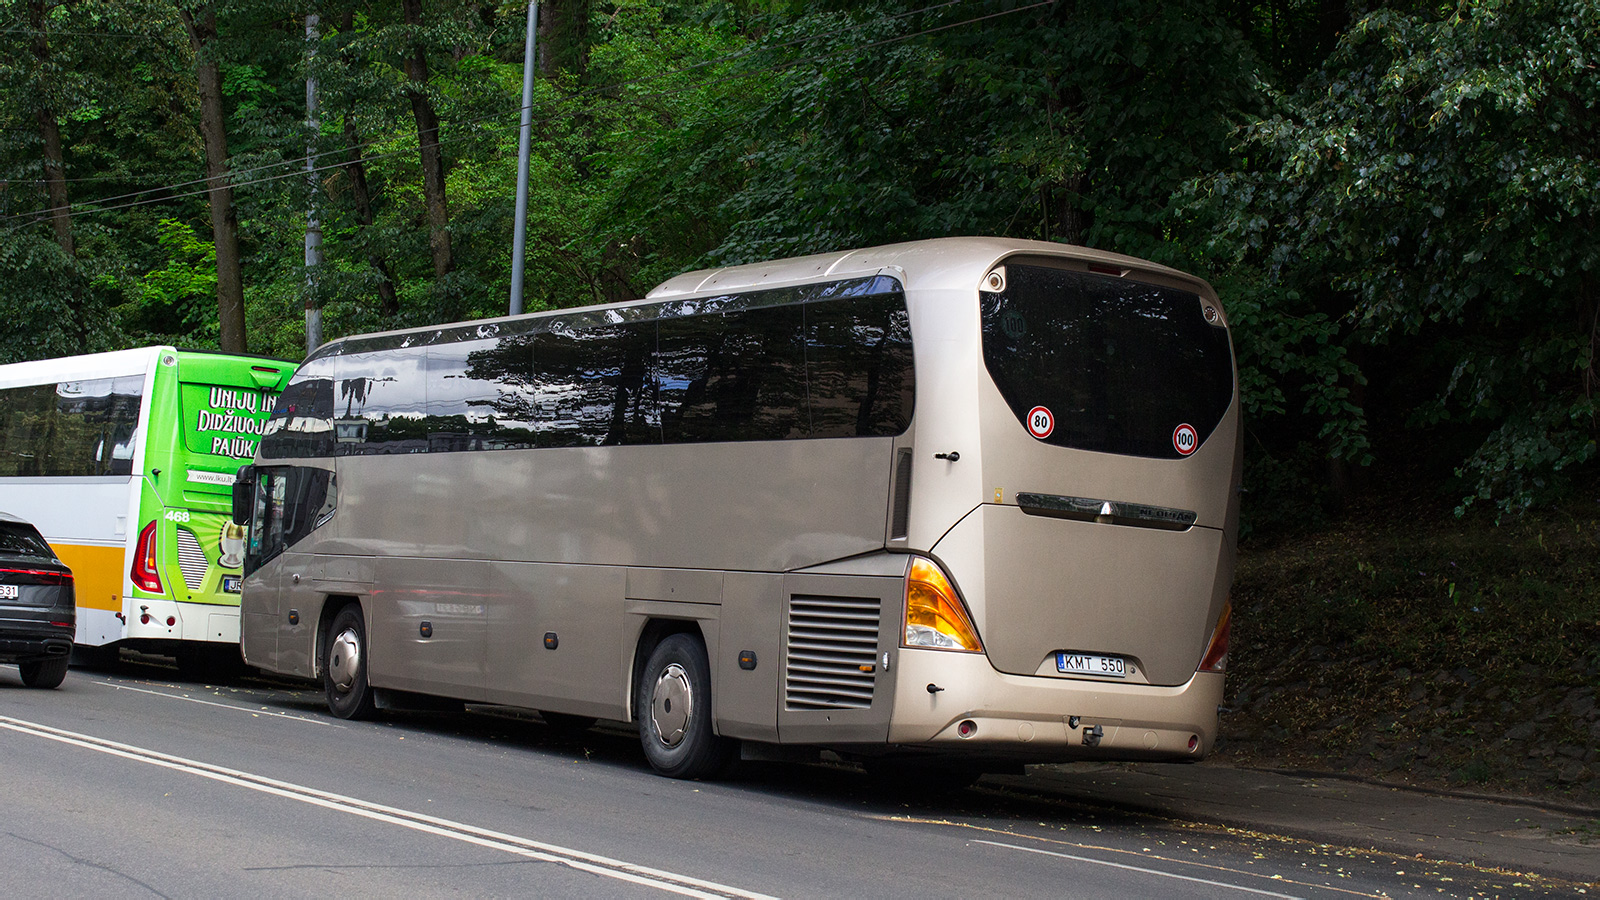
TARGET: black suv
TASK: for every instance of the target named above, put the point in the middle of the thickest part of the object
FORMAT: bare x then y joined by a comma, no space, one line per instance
38,615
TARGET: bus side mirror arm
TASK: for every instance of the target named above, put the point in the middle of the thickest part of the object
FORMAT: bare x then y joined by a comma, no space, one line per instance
243,487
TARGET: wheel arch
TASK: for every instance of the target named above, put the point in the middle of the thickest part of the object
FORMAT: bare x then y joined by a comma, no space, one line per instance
656,629
332,604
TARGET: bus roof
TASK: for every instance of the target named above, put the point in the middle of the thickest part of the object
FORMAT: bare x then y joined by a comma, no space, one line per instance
914,263
114,364
954,260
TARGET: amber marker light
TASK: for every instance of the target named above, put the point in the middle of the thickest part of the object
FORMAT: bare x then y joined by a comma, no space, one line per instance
1216,658
935,616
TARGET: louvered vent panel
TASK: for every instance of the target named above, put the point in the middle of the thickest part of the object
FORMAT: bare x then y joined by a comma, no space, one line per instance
191,559
833,650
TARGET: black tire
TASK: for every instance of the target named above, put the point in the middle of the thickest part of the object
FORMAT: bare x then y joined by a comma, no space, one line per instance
44,673
344,666
673,707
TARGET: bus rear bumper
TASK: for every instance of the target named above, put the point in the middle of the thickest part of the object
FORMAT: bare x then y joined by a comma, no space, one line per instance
957,703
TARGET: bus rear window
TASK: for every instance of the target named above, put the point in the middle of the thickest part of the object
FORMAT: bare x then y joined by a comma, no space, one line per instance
1119,366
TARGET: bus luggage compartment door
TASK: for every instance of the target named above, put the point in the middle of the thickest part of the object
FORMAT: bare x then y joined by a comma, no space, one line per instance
838,631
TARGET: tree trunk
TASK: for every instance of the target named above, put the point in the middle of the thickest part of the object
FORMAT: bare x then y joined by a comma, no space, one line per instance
55,179
416,66
563,37
388,301
202,28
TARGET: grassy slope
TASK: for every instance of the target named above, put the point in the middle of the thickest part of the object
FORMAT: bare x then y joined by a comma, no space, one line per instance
1417,647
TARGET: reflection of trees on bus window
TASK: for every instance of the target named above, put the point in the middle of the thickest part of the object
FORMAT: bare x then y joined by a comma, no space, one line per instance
73,428
832,363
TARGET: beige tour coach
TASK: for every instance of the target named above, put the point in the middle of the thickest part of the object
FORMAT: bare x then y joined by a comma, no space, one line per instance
963,503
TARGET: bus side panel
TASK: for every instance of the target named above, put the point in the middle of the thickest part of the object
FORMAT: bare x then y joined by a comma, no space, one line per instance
427,627
747,698
582,607
754,506
85,521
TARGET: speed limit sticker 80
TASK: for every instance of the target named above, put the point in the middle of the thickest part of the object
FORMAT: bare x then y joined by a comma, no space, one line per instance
1040,422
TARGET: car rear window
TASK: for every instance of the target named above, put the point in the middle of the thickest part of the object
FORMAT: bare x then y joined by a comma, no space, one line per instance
23,540
1118,366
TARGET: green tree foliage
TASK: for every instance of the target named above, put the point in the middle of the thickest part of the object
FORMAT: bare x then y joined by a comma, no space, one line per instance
1394,199
1430,197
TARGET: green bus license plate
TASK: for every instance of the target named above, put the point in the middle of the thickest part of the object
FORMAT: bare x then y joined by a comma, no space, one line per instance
230,584
1087,664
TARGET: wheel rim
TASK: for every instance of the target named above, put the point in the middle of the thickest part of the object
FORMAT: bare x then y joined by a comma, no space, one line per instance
344,660
670,704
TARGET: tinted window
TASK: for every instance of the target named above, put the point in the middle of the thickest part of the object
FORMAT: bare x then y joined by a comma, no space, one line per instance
290,502
737,376
502,370
72,428
858,364
833,360
1119,364
592,386
301,423
17,539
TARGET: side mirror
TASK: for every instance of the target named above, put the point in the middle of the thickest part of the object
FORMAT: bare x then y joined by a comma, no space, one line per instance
244,486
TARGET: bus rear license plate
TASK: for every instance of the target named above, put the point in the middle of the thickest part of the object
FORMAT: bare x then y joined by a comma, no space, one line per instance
230,584
1085,664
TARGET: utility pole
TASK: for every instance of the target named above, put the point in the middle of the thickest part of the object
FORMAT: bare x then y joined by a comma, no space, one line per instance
519,238
313,219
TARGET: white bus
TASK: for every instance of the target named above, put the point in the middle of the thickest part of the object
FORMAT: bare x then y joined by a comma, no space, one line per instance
124,461
969,502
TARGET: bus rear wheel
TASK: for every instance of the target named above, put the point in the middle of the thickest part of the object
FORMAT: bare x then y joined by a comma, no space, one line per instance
44,673
344,666
673,708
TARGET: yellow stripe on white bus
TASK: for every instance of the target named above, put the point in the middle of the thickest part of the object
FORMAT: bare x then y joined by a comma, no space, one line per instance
96,573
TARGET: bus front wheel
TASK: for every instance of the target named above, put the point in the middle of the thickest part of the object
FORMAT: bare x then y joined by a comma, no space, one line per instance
673,708
344,666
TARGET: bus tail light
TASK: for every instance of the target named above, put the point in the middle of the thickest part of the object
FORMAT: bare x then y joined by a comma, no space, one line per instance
144,573
935,616
1216,658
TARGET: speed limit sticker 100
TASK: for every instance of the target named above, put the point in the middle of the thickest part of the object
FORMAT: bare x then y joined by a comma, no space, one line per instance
1184,439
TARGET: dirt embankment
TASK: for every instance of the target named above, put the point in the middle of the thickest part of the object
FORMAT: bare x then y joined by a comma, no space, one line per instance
1456,654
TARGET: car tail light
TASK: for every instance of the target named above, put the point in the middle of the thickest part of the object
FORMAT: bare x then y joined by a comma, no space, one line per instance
41,576
1216,658
144,573
935,616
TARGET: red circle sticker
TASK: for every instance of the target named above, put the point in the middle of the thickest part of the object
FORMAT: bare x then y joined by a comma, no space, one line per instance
1184,440
1040,422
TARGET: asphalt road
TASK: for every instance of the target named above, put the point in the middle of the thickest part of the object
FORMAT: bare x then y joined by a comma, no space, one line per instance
132,784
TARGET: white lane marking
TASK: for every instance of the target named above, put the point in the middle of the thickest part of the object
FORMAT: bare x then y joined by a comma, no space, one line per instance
258,712
470,834
1102,862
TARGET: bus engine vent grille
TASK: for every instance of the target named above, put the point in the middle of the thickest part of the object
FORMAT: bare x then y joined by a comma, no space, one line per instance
191,559
833,650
